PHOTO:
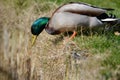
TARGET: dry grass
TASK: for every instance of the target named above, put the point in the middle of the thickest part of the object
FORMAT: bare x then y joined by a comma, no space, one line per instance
49,59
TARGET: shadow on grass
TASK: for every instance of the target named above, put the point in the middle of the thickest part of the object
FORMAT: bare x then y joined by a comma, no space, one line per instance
5,75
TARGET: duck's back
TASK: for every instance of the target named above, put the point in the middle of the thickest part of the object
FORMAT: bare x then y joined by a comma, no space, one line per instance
70,16
70,21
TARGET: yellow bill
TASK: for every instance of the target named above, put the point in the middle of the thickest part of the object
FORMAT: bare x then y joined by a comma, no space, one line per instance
34,37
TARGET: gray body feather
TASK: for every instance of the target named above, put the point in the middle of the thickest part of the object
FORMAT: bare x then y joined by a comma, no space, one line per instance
71,16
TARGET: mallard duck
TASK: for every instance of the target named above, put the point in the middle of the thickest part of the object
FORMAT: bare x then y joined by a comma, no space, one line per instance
70,17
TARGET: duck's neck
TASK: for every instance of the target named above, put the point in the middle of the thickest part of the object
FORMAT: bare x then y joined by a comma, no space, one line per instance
51,30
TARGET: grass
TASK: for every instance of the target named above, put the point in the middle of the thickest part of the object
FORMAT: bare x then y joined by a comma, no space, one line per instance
103,44
50,59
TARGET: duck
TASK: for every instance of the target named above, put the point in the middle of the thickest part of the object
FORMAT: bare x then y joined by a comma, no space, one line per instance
70,17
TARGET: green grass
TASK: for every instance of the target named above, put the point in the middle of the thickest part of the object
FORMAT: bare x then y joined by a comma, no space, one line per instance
102,44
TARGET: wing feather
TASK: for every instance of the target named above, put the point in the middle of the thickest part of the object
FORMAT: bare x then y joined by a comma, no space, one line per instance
82,8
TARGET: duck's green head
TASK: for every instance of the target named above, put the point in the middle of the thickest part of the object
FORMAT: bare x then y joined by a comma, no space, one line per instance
38,26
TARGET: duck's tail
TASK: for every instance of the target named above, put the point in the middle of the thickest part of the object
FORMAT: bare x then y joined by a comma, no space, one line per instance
114,23
105,17
110,20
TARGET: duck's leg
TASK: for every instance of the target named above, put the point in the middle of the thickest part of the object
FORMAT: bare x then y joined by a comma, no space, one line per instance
73,35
